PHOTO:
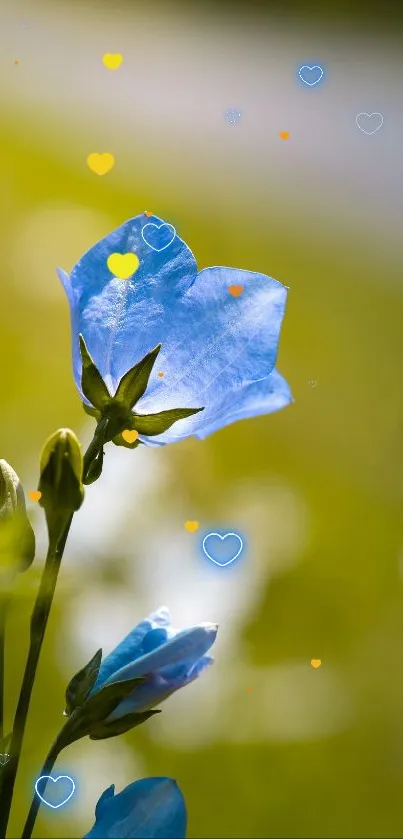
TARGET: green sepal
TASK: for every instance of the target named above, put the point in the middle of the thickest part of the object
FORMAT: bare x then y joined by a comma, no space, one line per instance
152,424
133,384
82,683
92,412
94,470
111,729
92,383
98,707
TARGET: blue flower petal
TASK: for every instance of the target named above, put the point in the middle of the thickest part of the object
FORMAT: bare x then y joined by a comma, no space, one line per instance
191,643
159,686
264,397
219,349
122,320
152,808
134,645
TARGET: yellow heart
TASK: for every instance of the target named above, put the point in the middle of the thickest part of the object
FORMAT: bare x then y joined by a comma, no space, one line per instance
123,265
100,163
112,60
191,526
130,436
316,662
34,494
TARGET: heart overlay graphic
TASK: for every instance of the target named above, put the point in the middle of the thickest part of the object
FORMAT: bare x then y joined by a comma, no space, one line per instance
369,123
158,236
310,75
66,798
222,555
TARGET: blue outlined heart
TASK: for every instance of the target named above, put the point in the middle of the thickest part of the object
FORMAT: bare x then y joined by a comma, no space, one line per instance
158,236
218,553
310,75
55,781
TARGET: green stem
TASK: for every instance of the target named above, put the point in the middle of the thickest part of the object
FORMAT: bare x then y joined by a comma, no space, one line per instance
39,622
36,801
3,606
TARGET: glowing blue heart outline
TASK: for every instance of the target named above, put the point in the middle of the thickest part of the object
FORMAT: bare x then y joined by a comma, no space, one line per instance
158,226
314,67
55,780
222,564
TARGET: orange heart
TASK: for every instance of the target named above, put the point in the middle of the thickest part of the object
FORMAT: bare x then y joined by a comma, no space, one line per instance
284,135
160,375
130,436
147,213
34,494
316,662
235,290
191,526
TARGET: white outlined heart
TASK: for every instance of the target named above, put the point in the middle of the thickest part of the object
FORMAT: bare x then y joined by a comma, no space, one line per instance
55,780
368,117
158,227
226,535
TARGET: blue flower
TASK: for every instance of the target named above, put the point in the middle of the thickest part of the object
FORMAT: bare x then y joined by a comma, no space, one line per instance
218,351
153,808
168,660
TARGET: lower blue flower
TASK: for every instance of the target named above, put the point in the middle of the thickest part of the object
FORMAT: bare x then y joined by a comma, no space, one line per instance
152,808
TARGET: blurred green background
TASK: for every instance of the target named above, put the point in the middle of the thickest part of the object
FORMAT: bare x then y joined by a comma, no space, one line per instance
263,745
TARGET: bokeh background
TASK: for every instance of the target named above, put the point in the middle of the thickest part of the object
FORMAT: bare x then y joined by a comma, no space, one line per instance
263,745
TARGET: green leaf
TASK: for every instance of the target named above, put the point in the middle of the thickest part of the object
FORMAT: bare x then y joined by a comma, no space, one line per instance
92,383
105,730
134,383
151,424
98,707
82,683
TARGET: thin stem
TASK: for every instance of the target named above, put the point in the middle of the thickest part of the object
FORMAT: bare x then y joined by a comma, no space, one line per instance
39,622
3,606
36,801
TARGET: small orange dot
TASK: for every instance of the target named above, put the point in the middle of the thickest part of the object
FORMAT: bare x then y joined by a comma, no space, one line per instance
147,213
249,689
284,135
16,61
34,494
160,375
235,290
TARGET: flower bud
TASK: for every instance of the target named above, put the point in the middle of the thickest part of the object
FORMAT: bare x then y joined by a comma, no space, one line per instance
60,482
17,539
